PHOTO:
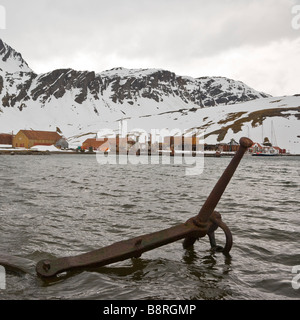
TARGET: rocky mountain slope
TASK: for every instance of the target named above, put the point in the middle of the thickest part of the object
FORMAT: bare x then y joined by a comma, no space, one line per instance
80,103
20,86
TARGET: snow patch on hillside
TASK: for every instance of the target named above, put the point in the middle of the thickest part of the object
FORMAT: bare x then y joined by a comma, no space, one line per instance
11,61
80,122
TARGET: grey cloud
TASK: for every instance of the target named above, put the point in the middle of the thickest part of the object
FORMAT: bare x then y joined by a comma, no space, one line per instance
161,32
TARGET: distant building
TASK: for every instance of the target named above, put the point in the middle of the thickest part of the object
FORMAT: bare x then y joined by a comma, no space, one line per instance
232,146
62,144
279,150
256,147
93,143
30,138
260,148
105,144
210,147
6,138
177,141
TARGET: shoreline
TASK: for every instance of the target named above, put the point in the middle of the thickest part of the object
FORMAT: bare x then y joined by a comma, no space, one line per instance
36,152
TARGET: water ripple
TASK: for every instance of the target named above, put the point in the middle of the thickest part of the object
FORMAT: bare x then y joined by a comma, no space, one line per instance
63,205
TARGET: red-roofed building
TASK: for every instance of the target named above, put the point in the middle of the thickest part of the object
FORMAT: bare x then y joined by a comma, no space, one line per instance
93,143
106,144
256,147
279,150
30,138
6,138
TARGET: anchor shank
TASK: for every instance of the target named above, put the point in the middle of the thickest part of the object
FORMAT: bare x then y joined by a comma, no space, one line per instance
216,194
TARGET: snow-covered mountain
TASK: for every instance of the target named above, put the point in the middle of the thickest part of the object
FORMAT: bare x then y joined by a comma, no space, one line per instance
22,87
80,103
11,61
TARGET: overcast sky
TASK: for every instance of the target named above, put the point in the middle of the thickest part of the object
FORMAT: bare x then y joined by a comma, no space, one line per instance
248,40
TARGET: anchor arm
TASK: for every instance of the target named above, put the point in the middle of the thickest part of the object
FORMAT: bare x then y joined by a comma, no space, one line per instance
119,251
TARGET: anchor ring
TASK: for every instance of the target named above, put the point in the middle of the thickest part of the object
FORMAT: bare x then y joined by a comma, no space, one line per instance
228,235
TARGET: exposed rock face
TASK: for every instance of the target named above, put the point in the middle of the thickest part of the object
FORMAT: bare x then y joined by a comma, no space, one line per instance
19,85
11,60
157,84
58,82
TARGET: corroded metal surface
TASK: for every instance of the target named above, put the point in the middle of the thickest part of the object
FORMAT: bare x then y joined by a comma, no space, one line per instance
118,251
17,264
205,223
217,192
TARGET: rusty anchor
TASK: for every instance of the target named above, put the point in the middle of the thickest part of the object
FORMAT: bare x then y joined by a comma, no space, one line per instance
205,223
